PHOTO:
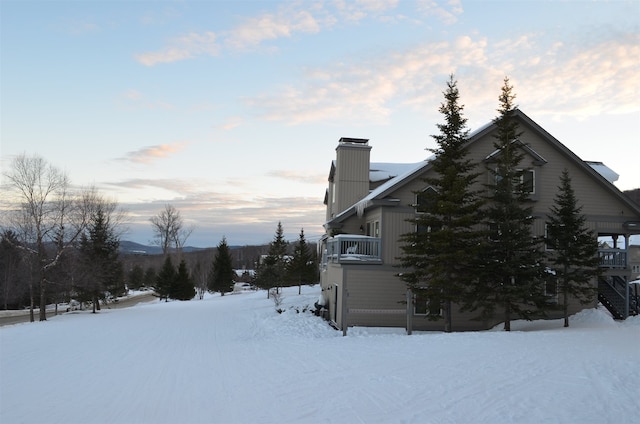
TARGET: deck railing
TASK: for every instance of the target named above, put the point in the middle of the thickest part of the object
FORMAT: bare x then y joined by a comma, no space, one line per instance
347,248
612,258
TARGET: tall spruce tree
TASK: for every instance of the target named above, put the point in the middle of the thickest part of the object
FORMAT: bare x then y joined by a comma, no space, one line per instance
222,274
439,255
182,287
271,271
573,248
102,270
301,269
511,278
165,279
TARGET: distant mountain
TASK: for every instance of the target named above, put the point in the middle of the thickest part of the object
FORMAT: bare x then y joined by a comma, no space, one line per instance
133,248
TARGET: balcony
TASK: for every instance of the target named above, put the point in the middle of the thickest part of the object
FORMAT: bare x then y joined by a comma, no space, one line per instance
612,258
350,248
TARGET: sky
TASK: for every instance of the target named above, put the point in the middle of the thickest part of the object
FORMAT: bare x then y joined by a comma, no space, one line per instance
230,111
233,359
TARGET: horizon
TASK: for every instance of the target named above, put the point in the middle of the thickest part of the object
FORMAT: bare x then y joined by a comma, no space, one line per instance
231,111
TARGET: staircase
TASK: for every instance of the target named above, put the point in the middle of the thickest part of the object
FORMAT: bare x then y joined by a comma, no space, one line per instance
611,293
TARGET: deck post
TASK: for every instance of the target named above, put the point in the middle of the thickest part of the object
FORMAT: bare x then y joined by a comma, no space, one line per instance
345,309
409,312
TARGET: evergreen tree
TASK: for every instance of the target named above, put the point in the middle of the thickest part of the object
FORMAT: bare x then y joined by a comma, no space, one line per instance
135,278
102,268
12,270
182,287
165,279
512,271
302,269
222,274
271,270
574,255
150,277
438,256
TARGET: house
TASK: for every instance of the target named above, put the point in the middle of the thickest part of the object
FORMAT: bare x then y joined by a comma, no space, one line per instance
368,206
634,261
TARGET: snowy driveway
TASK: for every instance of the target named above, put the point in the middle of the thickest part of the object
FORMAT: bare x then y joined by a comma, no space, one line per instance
233,359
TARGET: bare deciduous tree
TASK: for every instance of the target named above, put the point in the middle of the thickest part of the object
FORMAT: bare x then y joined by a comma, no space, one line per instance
169,230
46,213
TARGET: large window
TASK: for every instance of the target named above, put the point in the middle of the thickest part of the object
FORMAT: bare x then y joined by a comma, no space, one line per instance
423,305
424,199
527,178
551,289
373,229
548,243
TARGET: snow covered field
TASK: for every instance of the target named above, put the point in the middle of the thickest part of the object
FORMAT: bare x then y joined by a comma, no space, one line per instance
233,359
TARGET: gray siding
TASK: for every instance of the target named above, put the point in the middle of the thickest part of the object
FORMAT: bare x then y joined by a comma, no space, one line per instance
376,294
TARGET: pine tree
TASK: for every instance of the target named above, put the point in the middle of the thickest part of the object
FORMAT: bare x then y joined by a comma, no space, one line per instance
271,271
102,268
222,274
438,255
512,271
149,277
574,248
165,279
182,287
301,269
135,277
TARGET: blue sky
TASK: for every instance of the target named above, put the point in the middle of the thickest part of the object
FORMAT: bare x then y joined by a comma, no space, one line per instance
231,110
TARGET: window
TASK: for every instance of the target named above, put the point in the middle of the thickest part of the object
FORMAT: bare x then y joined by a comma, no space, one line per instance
548,243
373,229
424,203
422,305
528,181
527,178
494,231
551,289
425,199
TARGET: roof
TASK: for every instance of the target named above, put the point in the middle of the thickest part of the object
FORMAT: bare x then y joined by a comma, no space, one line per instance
384,171
604,170
378,196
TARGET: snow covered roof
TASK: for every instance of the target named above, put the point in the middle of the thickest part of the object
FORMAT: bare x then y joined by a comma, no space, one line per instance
383,171
603,174
360,206
604,170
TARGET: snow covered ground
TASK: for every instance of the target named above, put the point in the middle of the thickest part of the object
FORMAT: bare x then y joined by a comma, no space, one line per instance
233,359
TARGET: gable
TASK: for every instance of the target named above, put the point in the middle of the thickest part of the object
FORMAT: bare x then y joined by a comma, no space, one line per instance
546,154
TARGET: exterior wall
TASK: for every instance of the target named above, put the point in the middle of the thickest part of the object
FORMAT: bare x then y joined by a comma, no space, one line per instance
331,277
375,296
374,289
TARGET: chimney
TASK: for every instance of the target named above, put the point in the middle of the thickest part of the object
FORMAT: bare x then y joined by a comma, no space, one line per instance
351,177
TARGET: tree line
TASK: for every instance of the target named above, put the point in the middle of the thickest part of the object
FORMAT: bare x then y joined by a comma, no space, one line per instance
59,245
474,248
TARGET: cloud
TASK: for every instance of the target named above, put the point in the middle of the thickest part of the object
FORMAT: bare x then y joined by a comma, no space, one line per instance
367,92
553,77
601,78
150,154
445,11
231,123
136,99
299,177
248,219
186,46
361,9
285,22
